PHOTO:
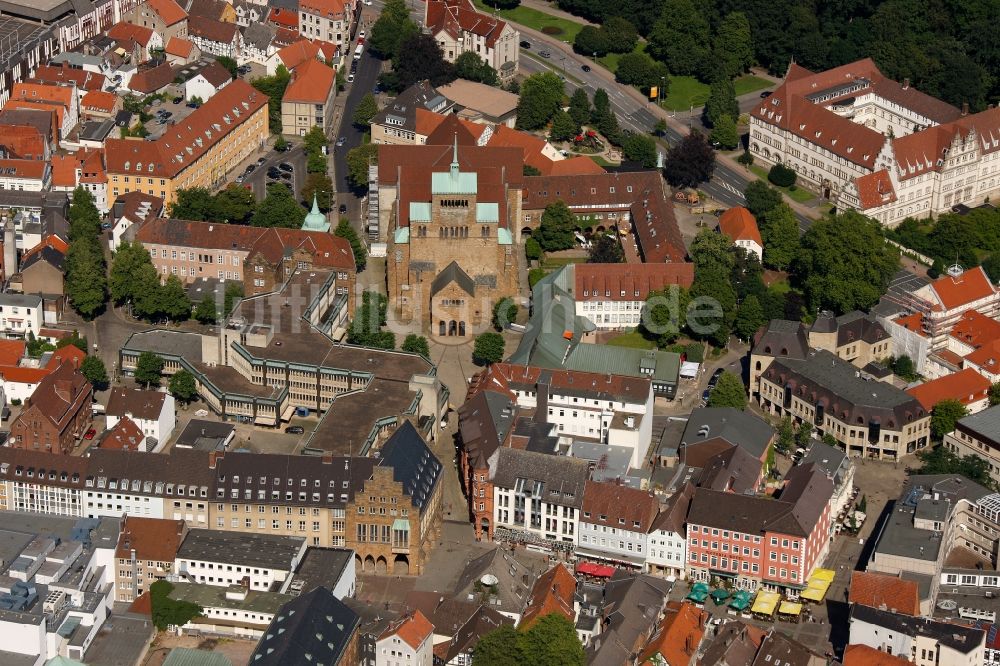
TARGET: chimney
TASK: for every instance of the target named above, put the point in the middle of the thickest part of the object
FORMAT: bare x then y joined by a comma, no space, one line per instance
965,108
213,458
327,458
906,83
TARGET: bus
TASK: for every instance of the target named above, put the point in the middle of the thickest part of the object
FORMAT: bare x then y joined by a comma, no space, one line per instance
358,50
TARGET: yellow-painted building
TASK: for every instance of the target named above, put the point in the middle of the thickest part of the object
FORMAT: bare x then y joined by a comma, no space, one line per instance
198,151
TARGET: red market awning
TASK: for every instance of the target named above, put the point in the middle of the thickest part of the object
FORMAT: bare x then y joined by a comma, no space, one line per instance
597,570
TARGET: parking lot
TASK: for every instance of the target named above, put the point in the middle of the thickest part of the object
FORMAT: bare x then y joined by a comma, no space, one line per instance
178,112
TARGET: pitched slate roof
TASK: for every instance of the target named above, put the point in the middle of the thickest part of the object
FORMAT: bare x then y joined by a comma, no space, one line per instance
453,273
315,627
151,80
413,464
562,479
212,30
139,403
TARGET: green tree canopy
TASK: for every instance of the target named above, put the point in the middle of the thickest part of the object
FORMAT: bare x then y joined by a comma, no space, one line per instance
728,392
182,386
471,67
392,28
761,198
86,279
279,209
749,318
500,647
994,395
369,318
725,134
732,48
640,148
416,344
564,127
420,58
170,612
605,249
639,70
274,87
320,186
945,415
721,101
365,111
939,460
206,312
96,373
690,162
665,315
541,97
579,106
504,312
779,230
148,368
681,39
358,161
345,230
488,349
557,227
844,263
532,250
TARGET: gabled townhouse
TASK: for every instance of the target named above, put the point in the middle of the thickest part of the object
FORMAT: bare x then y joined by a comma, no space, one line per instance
397,123
308,99
57,414
215,37
129,212
145,554
152,411
678,636
249,13
100,104
458,28
208,81
25,175
84,168
666,552
62,99
761,542
406,641
147,39
614,524
124,435
65,75
21,375
28,133
293,55
485,423
629,617
153,80
918,639
258,43
966,386
42,273
164,17
327,20
552,592
741,227
217,10
181,51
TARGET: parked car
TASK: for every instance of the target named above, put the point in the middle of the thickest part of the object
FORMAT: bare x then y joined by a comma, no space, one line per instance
273,173
165,114
525,45
250,169
343,209
295,430
350,76
585,68
705,395
545,54
90,434
191,105
766,93
715,377
362,34
341,141
377,89
261,161
178,99
106,225
285,166
240,178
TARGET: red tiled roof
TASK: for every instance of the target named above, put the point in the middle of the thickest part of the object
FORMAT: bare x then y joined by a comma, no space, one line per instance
967,386
414,629
29,169
311,83
987,358
284,18
206,235
327,250
55,74
460,16
57,110
53,241
143,605
863,655
875,189
43,92
22,141
64,170
601,282
678,636
975,329
924,151
178,46
11,351
912,322
295,54
125,32
156,539
332,9
125,436
574,166
184,143
427,122
216,74
552,593
622,387
212,30
168,10
970,286
59,396
879,589
98,100
739,224
610,503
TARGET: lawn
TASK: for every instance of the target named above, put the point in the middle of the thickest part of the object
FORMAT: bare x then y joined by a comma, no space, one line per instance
610,61
798,194
632,339
685,92
750,83
532,18
601,162
551,263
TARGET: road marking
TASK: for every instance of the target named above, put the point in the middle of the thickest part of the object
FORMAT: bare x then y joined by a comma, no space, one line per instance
725,185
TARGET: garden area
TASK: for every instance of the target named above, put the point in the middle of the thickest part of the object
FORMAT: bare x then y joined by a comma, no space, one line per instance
794,192
532,18
971,238
686,92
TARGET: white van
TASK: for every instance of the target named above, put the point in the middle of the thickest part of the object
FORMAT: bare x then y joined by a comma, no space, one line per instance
358,51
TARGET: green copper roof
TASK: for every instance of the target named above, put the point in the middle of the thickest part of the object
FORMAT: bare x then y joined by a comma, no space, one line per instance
315,220
402,235
487,212
420,211
453,182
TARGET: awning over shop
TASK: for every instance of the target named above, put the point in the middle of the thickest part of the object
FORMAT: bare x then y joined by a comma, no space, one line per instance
818,584
765,603
720,594
698,593
597,570
741,600
789,608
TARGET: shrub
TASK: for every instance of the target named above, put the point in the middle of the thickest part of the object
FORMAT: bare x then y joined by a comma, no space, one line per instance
781,176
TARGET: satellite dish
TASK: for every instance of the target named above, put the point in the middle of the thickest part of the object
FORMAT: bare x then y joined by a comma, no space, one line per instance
489,580
947,604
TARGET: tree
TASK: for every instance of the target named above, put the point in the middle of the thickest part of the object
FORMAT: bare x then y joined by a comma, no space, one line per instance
228,63
781,176
193,203
132,272
369,318
488,349
606,250
279,209
93,369
786,435
665,314
528,170
780,233
419,58
345,230
535,275
563,127
365,111
148,368
994,395
903,367
940,460
844,263
640,148
86,282
690,162
728,392
557,227
274,87
713,292
174,302
532,250
721,101
74,339
392,28
749,318
639,70
84,218
745,158
732,48
416,344
591,40
541,97
281,144
725,134
205,312
551,641
320,186
233,204
234,292
804,434
944,416
504,312
182,386
358,161
579,106
499,647
621,34
660,128
168,612
471,67
761,198
681,39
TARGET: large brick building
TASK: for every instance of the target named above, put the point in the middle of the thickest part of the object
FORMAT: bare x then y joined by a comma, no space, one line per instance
449,215
56,414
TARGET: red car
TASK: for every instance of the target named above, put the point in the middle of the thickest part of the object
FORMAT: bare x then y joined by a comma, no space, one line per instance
90,434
